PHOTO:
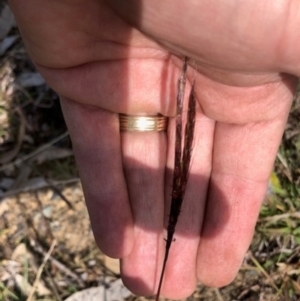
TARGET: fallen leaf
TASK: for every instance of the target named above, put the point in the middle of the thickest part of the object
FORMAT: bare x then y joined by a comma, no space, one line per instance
23,285
6,43
9,269
7,21
47,211
112,264
30,79
115,292
21,254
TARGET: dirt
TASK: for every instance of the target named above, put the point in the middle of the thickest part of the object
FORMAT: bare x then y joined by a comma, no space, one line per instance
37,218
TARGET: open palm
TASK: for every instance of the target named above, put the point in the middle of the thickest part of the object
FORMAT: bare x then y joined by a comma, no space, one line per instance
110,57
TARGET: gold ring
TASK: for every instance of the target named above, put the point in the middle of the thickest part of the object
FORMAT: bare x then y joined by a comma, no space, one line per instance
130,123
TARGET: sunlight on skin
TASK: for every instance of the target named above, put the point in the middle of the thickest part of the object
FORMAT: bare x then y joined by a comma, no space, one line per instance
104,58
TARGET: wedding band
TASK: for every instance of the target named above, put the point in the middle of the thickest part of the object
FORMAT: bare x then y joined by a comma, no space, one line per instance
130,123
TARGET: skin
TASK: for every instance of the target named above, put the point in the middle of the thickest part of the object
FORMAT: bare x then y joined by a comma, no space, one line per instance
105,57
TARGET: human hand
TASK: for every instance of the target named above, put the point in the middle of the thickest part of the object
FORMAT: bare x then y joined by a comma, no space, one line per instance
105,58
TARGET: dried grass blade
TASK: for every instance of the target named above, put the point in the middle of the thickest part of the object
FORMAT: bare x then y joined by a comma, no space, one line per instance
181,164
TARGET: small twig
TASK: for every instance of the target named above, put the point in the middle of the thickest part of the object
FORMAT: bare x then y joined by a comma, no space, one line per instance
34,153
45,185
40,270
219,296
287,170
58,264
263,271
53,285
61,195
295,253
278,217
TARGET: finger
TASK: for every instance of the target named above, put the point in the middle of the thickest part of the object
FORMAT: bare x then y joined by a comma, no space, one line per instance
144,159
180,276
242,162
96,142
